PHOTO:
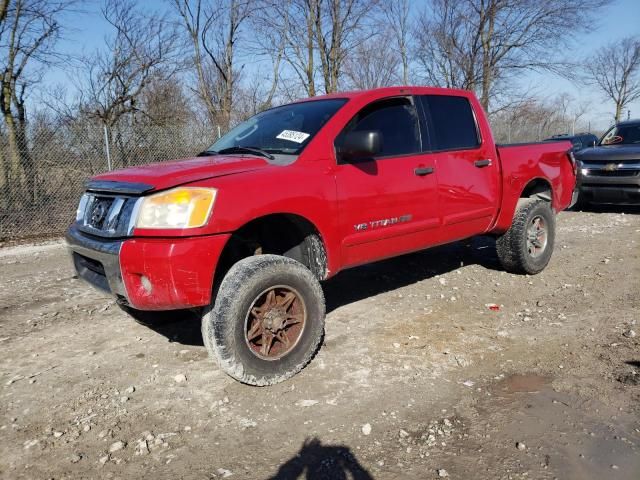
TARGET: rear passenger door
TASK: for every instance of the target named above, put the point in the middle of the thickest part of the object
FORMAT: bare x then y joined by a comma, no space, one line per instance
466,170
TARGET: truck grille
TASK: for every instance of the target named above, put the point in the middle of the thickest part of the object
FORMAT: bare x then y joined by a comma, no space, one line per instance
106,215
603,168
614,173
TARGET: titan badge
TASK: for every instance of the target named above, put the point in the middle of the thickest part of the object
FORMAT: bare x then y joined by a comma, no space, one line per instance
385,222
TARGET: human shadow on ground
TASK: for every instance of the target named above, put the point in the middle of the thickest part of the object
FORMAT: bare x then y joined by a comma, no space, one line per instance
315,461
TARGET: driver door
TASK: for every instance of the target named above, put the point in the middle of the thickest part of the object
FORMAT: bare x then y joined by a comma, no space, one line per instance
387,203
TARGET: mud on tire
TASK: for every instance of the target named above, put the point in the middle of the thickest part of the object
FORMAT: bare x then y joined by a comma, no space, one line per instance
246,316
527,246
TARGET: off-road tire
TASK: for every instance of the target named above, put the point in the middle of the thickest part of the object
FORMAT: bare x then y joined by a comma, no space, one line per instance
223,322
512,245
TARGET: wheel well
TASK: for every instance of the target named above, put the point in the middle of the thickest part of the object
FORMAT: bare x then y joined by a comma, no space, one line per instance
538,188
288,235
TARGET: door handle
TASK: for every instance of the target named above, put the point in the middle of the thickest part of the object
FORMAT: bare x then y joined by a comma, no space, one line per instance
482,163
422,171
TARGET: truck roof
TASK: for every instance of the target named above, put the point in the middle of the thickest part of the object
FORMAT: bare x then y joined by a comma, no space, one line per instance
382,91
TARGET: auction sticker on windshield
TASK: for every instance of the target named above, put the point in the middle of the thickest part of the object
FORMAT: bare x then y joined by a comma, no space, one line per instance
293,136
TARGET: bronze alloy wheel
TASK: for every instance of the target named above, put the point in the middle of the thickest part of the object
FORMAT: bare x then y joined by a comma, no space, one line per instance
267,320
536,236
275,322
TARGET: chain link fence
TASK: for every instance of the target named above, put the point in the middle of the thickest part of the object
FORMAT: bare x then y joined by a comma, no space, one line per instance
43,170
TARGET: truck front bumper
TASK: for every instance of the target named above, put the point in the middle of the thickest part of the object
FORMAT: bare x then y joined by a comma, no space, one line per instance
621,185
620,194
149,273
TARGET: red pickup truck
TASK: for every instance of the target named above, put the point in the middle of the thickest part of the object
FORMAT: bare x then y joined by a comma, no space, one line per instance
246,231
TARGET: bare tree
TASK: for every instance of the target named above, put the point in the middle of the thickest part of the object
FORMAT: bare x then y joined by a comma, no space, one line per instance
445,51
29,30
293,21
165,104
476,44
615,69
338,30
373,63
114,78
314,39
577,111
535,119
270,27
214,30
396,13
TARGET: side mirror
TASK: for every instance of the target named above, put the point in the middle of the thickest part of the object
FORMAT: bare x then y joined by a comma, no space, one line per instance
359,146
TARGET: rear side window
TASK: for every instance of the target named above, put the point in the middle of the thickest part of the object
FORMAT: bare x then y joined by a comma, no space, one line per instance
396,120
451,122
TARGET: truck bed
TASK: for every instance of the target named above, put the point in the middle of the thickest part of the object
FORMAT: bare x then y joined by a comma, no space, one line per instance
523,162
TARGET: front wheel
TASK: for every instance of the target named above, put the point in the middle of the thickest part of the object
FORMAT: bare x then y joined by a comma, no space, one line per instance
527,246
267,321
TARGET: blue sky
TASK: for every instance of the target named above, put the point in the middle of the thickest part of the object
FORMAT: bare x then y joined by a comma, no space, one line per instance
619,20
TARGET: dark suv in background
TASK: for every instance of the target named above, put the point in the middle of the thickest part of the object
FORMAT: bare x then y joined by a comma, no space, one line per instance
578,140
610,172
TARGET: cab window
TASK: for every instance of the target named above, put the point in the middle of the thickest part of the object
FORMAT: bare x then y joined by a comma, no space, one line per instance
452,125
396,121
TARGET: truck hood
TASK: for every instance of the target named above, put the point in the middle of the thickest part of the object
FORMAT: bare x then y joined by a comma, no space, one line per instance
163,175
614,153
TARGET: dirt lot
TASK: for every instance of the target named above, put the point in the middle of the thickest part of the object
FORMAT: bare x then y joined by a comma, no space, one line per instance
417,375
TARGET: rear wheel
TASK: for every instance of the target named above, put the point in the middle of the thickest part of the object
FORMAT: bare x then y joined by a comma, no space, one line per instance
527,246
267,321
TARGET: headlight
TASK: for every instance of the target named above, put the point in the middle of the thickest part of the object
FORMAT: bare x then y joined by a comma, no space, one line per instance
82,207
182,207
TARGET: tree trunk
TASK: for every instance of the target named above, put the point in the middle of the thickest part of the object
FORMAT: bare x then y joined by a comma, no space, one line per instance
487,16
325,54
405,64
27,165
4,161
14,180
26,159
311,82
618,111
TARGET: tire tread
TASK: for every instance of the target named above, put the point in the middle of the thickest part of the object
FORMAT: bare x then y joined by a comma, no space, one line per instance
511,246
222,346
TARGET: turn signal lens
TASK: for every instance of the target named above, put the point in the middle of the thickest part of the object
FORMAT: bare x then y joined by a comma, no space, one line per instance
183,207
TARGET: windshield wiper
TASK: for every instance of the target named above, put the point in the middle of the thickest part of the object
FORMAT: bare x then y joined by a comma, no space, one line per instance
254,150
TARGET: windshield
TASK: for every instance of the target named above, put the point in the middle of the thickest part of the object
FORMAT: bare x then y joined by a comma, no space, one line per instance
622,135
282,130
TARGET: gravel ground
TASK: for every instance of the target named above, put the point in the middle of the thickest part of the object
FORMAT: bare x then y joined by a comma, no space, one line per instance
418,377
